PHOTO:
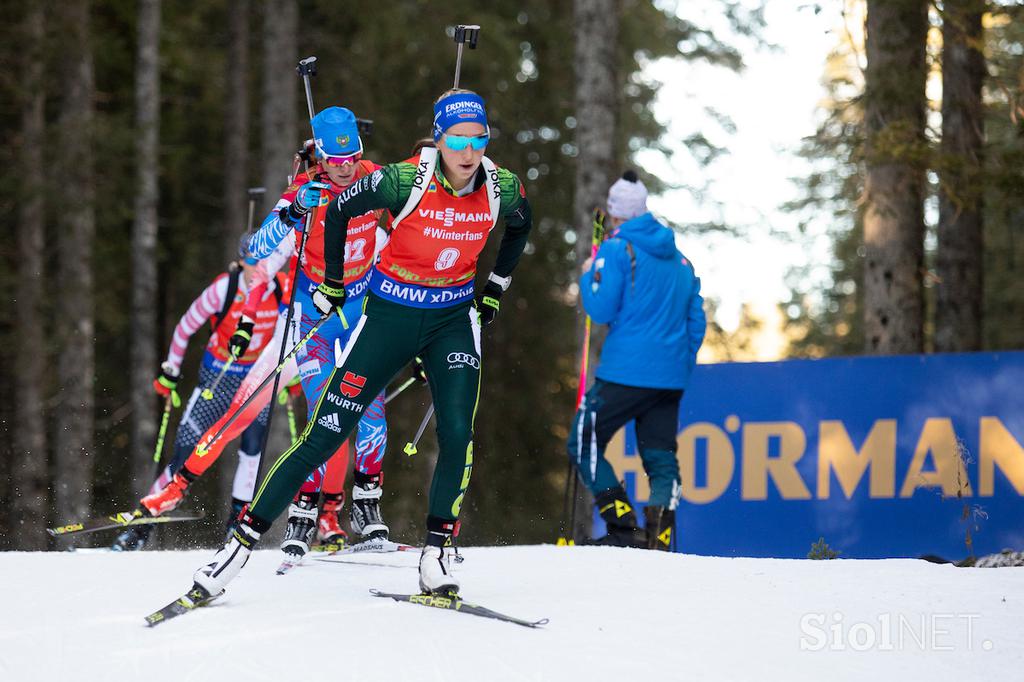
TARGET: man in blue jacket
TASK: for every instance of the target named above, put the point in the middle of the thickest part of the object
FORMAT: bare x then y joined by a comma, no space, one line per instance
648,295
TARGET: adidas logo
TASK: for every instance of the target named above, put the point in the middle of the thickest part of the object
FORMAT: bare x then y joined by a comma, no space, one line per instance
331,422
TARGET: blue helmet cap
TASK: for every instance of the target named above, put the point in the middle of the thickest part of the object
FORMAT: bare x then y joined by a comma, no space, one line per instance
336,133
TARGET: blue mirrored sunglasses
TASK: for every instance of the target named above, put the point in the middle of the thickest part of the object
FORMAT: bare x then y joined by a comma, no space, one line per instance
459,142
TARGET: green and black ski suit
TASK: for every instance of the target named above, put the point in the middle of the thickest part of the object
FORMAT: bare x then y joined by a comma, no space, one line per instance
419,304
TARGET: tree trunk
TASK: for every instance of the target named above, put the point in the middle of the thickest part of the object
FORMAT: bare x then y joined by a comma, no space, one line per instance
596,28
236,128
896,159
958,303
74,285
30,496
280,90
144,234
596,35
236,156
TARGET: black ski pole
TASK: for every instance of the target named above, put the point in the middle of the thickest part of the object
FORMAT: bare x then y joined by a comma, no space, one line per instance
203,447
410,447
404,385
572,517
254,192
563,535
418,374
464,35
306,69
208,392
596,237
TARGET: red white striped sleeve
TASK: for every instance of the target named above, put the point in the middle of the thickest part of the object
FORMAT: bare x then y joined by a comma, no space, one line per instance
208,303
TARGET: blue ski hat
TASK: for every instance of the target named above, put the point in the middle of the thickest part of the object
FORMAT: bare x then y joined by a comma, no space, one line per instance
336,133
458,107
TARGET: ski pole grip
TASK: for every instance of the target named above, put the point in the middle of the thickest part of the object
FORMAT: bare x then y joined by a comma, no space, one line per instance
307,67
467,33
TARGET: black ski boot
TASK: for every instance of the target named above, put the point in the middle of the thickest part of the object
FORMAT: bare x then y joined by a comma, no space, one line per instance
614,507
132,539
301,529
660,525
364,515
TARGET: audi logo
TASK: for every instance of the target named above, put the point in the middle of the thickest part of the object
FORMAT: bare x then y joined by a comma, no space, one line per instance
464,359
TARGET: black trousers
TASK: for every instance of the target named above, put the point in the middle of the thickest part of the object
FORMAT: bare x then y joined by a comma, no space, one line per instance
608,407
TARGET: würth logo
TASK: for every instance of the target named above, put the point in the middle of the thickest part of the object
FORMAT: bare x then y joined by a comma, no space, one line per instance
352,385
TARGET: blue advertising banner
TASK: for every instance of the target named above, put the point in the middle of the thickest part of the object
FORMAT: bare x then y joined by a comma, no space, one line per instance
880,456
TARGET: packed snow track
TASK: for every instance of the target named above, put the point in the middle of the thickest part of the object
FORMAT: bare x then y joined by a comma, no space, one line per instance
615,614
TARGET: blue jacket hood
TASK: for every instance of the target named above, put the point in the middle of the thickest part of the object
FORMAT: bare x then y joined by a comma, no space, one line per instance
648,234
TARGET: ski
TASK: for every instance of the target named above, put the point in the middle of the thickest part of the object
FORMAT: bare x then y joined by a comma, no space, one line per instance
323,552
289,563
329,548
136,517
189,601
456,603
372,545
354,562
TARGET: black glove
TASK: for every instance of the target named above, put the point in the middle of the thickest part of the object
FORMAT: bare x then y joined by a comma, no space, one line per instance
239,341
327,298
166,383
488,302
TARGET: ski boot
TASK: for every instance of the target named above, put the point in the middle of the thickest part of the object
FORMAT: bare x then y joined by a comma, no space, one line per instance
298,535
328,530
660,526
132,539
364,515
214,576
170,497
619,517
436,559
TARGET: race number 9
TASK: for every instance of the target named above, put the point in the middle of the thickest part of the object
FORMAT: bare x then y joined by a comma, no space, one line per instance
446,259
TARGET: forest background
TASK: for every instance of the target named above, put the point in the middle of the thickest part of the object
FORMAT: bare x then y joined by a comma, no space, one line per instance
133,129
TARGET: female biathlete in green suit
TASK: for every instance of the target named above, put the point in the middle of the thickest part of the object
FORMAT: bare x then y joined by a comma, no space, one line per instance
421,304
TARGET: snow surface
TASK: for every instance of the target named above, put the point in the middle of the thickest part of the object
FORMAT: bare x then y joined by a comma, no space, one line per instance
616,614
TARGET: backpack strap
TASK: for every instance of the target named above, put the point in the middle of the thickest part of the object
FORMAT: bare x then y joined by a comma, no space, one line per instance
493,188
278,285
424,172
234,272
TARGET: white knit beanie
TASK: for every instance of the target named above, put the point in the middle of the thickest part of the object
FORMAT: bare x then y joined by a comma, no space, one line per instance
627,198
